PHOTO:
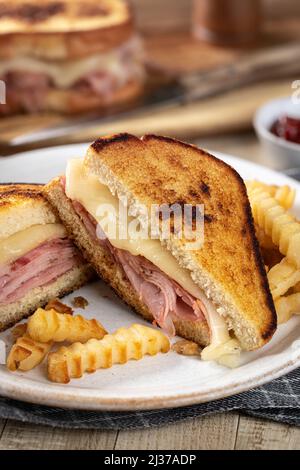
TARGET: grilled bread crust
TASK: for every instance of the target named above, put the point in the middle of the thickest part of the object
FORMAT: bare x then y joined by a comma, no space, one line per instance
103,263
62,29
69,101
21,206
12,192
229,266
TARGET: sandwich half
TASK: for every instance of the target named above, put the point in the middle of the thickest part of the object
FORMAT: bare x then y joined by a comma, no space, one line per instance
217,294
68,56
37,260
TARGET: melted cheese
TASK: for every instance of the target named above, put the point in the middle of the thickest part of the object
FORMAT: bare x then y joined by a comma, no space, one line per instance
65,74
222,349
23,242
92,194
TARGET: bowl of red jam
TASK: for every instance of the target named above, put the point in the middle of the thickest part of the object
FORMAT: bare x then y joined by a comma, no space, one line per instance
287,128
277,124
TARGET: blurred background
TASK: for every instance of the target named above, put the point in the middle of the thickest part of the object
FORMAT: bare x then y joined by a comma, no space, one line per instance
230,58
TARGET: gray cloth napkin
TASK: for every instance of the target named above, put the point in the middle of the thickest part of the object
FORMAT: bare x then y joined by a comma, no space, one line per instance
279,401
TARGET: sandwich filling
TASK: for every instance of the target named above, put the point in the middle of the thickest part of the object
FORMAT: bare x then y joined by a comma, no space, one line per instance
29,79
34,257
164,297
160,282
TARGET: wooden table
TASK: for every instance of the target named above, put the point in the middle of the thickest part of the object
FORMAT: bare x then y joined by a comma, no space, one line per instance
223,431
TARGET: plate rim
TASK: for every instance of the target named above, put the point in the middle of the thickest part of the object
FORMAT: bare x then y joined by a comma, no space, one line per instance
69,400
69,397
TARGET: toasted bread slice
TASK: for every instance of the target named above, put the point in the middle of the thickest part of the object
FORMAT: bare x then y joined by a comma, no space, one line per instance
64,29
23,206
102,261
228,268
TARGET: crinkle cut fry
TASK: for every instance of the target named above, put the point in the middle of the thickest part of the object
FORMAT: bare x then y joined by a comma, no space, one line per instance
287,306
277,223
49,325
285,195
282,277
118,348
26,354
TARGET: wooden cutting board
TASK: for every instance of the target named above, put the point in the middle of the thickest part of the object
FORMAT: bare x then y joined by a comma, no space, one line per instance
230,112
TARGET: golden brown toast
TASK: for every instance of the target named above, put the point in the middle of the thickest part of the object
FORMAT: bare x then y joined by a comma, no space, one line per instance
23,205
102,261
229,266
12,193
62,29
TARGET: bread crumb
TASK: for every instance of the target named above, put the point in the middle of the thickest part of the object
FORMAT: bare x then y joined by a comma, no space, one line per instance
187,348
59,307
19,330
80,302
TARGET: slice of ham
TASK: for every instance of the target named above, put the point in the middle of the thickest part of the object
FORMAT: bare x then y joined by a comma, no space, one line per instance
100,83
39,267
27,89
30,90
165,298
89,221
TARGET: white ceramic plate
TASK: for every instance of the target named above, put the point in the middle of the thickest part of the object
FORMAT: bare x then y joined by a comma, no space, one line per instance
155,382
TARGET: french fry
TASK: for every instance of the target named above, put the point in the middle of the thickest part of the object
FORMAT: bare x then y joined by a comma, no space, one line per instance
285,195
282,277
296,288
264,240
27,354
287,306
59,307
254,184
118,348
277,223
19,330
48,325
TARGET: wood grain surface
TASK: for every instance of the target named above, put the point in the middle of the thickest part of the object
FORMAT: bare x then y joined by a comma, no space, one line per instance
219,432
257,434
230,112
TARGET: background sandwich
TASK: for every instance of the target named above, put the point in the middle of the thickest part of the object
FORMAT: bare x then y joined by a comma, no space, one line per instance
217,295
68,56
37,260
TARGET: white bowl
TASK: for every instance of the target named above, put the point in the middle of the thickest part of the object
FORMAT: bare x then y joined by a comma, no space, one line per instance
280,154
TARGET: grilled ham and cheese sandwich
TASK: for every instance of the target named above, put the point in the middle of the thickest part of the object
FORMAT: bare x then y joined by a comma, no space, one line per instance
216,295
37,260
69,55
